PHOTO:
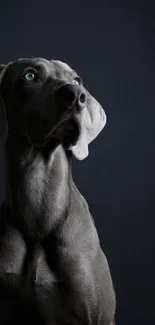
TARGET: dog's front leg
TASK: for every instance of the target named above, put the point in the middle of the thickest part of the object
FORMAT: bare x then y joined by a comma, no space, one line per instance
79,296
30,264
73,253
12,247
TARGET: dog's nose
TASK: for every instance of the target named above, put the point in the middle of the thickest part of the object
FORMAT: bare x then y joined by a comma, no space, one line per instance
72,96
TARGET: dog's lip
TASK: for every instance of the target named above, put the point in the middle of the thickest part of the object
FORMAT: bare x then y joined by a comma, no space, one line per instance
71,114
51,132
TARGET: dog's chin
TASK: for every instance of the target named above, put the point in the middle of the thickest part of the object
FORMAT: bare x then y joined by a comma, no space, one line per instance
67,133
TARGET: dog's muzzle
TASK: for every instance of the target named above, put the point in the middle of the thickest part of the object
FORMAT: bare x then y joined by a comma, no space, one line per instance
71,96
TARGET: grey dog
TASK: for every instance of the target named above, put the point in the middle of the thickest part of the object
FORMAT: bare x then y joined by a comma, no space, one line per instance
47,234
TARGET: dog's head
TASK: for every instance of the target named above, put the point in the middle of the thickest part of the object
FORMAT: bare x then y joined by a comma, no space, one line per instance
44,100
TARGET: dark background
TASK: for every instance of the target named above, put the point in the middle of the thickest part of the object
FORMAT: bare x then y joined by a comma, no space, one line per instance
112,47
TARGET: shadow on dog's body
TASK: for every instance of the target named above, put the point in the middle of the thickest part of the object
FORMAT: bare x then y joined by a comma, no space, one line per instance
47,238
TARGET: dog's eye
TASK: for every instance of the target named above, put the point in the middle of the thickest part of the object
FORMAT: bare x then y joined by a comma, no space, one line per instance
77,81
30,76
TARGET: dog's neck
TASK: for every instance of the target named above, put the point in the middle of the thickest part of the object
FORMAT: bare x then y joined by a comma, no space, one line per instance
36,182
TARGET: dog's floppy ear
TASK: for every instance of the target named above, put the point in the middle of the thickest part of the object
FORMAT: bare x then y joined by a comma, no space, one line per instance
92,120
3,120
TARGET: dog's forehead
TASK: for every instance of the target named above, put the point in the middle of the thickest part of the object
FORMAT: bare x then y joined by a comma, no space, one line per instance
53,68
62,68
58,69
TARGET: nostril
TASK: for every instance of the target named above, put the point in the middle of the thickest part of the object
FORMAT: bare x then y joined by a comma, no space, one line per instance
82,98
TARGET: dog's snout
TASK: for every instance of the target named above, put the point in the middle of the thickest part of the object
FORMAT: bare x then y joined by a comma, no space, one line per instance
72,96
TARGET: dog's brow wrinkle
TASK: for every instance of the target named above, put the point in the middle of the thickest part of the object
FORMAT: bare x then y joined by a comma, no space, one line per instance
63,65
42,65
63,68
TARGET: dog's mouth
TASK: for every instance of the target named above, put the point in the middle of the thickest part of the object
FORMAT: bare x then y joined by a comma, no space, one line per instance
67,131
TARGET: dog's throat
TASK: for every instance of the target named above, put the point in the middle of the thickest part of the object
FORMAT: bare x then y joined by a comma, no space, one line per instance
39,189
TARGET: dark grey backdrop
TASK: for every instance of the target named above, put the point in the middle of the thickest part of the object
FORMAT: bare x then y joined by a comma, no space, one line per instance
112,47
